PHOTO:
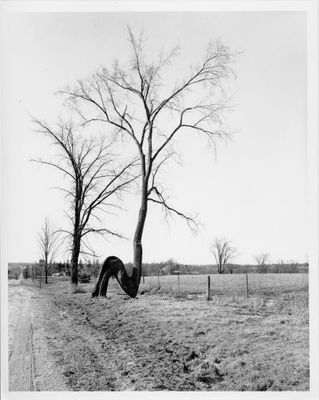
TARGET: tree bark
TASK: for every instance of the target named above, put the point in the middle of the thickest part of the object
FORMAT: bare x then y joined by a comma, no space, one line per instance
114,266
46,267
75,259
137,242
220,269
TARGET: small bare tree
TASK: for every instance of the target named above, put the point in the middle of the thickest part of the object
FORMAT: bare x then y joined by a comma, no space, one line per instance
95,181
292,266
223,252
279,266
47,238
133,101
231,268
262,260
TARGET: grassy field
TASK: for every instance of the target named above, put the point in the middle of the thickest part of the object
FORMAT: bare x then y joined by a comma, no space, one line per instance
228,284
165,341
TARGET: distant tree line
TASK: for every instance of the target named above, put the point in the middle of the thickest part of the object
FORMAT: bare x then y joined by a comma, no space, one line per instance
169,267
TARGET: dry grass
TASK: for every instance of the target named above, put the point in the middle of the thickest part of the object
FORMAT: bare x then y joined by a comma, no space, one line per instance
160,342
228,284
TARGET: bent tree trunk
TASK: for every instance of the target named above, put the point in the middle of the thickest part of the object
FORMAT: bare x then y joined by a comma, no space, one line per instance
113,266
129,282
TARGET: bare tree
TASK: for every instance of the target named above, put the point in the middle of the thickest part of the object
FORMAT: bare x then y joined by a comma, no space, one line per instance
93,182
132,100
262,260
292,266
47,238
231,268
279,266
223,252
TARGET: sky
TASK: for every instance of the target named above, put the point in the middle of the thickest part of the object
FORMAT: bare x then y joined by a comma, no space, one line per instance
253,191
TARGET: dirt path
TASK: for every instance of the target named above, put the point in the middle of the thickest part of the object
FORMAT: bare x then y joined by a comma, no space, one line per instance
21,368
31,366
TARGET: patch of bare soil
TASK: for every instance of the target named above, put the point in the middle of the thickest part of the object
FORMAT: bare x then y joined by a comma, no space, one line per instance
158,342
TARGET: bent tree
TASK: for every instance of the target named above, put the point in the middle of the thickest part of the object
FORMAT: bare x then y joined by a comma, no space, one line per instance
93,182
135,101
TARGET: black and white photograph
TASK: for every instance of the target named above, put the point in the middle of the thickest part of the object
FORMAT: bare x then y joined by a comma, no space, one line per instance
159,199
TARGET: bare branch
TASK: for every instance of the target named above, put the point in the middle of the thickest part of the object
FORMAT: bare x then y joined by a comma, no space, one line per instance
191,222
55,166
223,252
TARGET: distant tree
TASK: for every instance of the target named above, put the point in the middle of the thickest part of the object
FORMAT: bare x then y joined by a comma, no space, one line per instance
96,180
47,239
168,267
279,266
95,267
223,252
25,273
262,261
60,267
67,270
292,267
133,100
230,268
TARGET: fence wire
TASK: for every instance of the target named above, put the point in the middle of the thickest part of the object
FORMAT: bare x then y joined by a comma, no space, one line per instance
227,284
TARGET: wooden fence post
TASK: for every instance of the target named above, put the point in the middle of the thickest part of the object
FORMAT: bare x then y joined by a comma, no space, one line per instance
247,290
208,288
158,280
178,284
143,279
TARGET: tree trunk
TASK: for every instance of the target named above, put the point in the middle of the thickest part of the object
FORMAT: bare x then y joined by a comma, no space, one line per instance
220,269
75,259
129,282
137,243
114,266
46,266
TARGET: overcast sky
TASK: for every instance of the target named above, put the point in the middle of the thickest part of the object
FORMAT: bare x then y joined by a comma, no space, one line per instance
253,192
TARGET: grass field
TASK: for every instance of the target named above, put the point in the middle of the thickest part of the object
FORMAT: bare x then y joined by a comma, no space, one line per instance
165,341
228,284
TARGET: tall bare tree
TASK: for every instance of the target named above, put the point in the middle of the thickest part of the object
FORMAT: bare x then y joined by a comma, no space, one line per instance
93,181
47,238
134,100
223,252
262,260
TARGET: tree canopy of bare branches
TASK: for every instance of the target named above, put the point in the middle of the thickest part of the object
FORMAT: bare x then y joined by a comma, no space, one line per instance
47,238
262,260
134,100
93,184
223,252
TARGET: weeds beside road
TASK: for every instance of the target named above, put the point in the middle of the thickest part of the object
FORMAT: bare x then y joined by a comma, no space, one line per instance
160,342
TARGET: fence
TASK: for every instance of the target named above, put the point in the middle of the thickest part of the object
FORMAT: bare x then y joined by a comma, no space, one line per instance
206,286
245,285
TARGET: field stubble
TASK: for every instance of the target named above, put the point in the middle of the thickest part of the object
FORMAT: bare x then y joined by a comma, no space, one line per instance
165,341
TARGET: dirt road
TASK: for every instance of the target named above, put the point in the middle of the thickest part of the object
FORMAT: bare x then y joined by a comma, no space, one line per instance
31,366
